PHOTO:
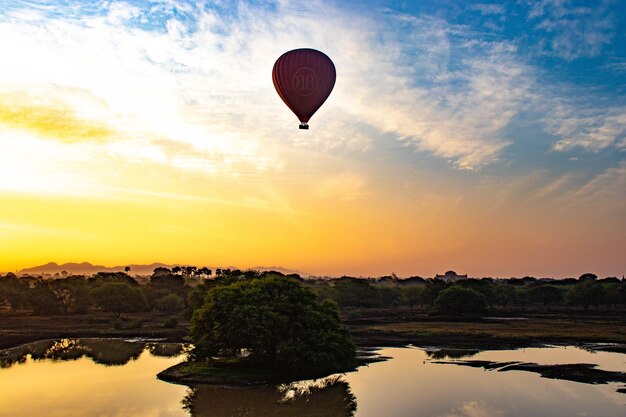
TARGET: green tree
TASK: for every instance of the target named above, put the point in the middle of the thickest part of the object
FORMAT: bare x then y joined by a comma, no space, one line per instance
119,298
546,294
354,293
484,286
72,293
588,276
613,295
112,277
168,281
43,300
460,301
506,294
433,288
170,303
413,296
586,293
277,321
13,292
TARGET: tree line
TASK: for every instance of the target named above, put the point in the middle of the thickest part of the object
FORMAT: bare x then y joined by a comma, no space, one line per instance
476,296
181,290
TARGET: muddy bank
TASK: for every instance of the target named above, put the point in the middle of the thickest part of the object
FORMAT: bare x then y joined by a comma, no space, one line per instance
388,329
578,372
17,330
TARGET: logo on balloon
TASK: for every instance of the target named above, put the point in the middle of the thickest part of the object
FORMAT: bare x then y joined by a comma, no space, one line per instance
304,81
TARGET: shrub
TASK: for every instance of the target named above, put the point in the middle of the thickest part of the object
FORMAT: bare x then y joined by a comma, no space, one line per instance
459,301
171,323
171,303
119,298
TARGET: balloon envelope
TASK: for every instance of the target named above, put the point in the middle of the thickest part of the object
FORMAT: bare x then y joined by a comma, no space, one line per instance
304,79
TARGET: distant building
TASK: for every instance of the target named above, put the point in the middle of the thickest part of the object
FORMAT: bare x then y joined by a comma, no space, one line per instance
450,276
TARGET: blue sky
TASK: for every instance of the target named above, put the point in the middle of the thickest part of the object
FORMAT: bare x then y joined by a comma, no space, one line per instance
479,107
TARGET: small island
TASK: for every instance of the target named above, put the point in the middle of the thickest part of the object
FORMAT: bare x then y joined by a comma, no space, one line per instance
267,329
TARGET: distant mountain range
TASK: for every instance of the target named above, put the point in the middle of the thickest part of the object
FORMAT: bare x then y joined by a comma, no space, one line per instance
85,268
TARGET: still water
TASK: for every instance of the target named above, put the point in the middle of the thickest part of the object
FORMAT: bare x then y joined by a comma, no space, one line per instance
97,377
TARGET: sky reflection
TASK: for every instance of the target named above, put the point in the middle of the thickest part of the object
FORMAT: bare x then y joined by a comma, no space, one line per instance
410,384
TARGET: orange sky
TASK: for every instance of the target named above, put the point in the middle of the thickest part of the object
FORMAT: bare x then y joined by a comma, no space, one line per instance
120,145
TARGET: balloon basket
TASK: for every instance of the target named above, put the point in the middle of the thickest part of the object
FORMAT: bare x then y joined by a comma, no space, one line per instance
304,126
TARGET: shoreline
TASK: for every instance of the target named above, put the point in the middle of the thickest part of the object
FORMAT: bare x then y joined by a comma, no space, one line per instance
372,329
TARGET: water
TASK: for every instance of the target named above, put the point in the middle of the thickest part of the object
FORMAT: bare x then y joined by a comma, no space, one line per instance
96,377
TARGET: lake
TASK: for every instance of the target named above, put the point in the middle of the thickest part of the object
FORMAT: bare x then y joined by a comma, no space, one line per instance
100,377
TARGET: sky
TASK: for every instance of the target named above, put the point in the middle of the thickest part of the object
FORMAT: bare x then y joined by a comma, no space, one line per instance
484,137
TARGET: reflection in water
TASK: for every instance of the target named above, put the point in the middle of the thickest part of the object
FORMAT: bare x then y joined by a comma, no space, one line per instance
166,350
451,353
66,378
102,351
326,397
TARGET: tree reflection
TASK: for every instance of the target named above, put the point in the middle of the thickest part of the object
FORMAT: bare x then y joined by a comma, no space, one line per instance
451,353
107,352
325,397
166,350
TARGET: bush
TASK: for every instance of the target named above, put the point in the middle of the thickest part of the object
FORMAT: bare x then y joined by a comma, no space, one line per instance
276,321
546,294
171,323
171,303
459,301
119,298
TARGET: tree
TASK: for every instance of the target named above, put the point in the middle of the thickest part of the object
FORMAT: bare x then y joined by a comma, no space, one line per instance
205,271
276,321
163,270
127,269
43,299
483,286
505,294
168,282
433,288
170,303
119,298
114,277
586,293
460,301
412,296
72,293
588,276
546,294
354,293
13,292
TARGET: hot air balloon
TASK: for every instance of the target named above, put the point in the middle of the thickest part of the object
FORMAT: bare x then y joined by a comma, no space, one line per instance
304,79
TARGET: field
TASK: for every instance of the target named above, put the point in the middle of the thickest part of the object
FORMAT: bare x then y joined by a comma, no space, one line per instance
369,327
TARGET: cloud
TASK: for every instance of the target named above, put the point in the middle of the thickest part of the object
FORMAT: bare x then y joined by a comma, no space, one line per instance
475,409
342,187
571,31
606,188
422,80
56,121
589,129
189,84
488,9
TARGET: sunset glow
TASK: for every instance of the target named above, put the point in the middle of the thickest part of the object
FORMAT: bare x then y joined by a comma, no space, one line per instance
150,131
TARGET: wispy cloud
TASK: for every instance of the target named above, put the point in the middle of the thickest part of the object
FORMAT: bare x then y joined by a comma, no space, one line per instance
589,129
606,188
56,121
487,9
210,75
572,31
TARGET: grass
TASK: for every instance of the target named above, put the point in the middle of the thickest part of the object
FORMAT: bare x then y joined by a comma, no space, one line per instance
533,329
371,327
234,373
16,329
